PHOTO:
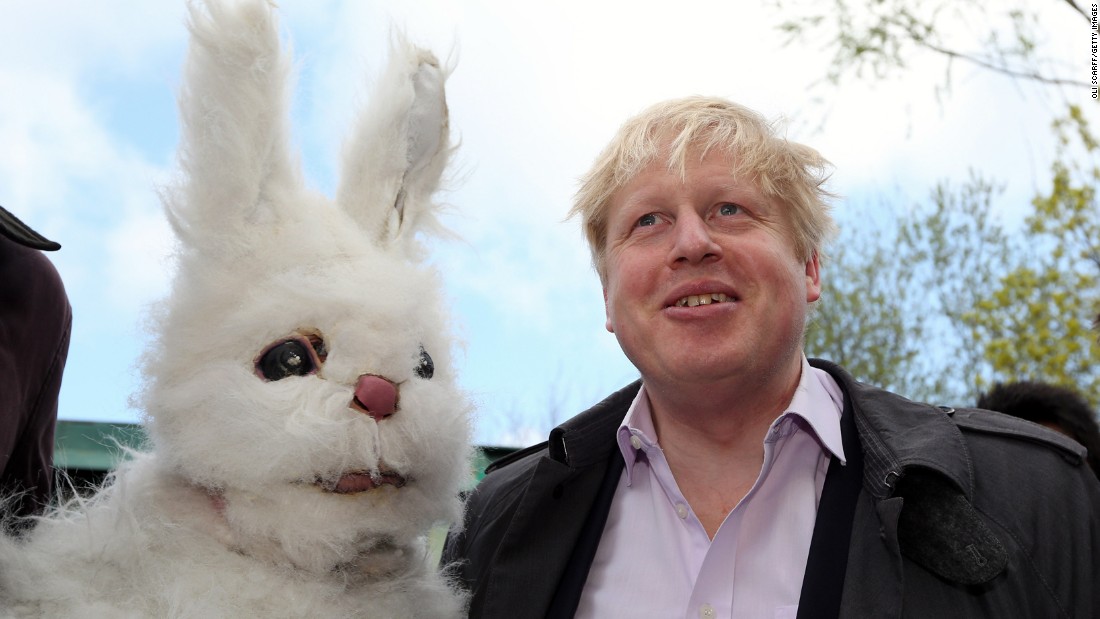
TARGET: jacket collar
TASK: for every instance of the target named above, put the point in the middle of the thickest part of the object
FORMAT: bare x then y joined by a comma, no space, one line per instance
898,435
587,438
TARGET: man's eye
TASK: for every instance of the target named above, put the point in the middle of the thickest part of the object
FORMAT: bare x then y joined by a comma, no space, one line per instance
648,219
728,209
289,358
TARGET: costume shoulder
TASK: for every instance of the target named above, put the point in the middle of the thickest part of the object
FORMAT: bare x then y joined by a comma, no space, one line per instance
977,420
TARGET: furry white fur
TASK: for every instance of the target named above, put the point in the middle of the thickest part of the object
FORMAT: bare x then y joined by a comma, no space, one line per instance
279,496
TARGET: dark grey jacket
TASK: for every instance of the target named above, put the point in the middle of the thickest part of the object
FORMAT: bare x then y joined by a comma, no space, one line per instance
957,513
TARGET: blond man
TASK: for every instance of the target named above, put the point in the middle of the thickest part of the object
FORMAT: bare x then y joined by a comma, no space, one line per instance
738,478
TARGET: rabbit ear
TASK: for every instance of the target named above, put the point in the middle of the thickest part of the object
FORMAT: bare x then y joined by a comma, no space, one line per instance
396,156
235,128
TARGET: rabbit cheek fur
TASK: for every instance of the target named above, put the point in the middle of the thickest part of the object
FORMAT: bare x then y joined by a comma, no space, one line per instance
284,496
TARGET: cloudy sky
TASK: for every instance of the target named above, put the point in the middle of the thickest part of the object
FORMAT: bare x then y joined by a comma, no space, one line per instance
88,131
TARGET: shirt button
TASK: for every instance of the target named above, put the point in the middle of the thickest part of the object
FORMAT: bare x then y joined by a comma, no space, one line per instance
706,611
635,442
681,510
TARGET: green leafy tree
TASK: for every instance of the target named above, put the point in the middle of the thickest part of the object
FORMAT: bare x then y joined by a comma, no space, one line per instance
881,37
957,248
996,305
901,288
1036,323
862,321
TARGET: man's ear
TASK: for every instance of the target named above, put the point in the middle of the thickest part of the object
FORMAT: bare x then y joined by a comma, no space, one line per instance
607,313
813,279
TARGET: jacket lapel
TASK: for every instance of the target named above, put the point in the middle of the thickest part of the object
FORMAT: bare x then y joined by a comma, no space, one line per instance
518,586
551,516
918,489
823,582
568,594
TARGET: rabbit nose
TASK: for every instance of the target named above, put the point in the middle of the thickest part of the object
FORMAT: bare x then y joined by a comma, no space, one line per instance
375,396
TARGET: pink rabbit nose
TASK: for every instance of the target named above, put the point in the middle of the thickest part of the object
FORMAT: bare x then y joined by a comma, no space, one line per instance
375,396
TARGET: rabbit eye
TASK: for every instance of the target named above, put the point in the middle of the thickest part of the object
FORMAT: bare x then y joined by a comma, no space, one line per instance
319,347
425,368
289,358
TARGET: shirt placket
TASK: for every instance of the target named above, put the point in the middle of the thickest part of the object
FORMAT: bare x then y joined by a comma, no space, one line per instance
712,595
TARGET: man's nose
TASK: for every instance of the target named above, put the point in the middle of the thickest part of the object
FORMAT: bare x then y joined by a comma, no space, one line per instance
693,241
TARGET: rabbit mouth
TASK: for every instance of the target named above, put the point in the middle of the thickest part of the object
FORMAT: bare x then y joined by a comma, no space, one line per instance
361,481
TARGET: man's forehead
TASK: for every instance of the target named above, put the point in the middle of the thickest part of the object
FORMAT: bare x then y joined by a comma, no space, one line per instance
652,179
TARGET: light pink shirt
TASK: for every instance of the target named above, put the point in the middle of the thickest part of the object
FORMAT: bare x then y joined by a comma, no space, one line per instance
656,560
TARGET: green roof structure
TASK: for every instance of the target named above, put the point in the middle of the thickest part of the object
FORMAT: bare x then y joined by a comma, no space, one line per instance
94,446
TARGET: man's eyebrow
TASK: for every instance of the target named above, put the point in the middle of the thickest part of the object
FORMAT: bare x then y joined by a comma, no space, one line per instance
642,197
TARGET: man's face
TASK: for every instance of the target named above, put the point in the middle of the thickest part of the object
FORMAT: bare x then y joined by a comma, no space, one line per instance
702,279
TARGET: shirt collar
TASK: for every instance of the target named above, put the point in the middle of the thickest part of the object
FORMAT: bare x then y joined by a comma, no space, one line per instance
818,402
636,432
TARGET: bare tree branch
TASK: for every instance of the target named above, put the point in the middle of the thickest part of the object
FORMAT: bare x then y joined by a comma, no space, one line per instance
1077,7
985,64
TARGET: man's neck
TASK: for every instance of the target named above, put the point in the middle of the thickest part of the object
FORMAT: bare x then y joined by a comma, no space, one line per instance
720,414
713,435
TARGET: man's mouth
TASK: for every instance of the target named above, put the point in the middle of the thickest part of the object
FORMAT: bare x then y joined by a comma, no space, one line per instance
702,299
361,481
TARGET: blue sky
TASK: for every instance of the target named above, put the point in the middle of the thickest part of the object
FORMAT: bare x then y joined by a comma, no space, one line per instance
88,131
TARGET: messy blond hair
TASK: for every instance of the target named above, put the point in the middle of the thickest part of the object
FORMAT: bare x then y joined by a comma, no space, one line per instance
790,172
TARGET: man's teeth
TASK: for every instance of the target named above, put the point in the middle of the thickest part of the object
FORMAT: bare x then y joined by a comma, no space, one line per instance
702,299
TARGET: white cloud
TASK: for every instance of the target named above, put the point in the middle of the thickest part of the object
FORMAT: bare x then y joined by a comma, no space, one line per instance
62,169
69,37
65,170
49,136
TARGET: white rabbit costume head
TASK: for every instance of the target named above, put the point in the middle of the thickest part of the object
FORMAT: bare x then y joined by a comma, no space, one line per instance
300,396
302,373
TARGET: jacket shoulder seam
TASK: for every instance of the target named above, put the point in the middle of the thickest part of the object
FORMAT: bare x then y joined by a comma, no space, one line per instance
998,424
